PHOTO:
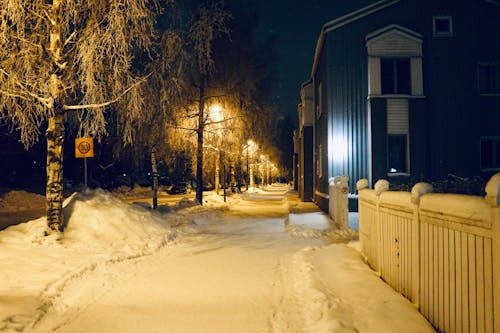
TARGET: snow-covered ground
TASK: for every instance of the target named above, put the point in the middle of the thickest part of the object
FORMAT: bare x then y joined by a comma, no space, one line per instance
261,262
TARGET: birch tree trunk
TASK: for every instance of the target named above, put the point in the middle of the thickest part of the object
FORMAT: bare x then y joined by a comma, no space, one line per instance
199,157
54,189
217,172
252,180
154,171
55,129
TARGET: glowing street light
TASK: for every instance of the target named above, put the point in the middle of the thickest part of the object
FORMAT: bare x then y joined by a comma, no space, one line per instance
216,116
215,113
250,147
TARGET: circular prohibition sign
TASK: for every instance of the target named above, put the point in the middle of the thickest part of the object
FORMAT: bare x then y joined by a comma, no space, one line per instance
84,147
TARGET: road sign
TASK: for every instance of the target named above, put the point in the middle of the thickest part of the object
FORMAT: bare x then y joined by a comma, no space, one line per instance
84,147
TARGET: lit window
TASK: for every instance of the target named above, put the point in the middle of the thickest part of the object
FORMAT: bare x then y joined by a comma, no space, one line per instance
442,26
490,153
489,78
395,75
397,153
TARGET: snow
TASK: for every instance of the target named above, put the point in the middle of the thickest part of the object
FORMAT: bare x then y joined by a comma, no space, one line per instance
259,262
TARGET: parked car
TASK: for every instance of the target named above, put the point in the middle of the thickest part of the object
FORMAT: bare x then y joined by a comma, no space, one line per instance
180,188
177,189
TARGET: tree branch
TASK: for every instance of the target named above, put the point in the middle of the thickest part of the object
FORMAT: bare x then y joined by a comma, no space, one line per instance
101,105
45,101
183,128
68,40
12,94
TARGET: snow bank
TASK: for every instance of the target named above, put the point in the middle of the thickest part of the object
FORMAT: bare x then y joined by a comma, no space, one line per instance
98,219
317,225
100,230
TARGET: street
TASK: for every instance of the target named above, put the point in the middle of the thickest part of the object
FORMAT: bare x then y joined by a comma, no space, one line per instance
236,271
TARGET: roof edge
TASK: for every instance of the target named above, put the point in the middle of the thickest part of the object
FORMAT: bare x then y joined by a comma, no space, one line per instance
346,19
307,82
493,2
357,14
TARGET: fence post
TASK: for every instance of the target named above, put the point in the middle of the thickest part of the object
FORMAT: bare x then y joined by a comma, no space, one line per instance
416,193
342,194
331,199
493,199
381,185
361,185
338,202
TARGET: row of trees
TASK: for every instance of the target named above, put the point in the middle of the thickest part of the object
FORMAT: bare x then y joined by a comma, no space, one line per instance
167,77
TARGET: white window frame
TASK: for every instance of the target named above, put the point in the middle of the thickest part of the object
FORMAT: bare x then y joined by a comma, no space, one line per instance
378,48
402,131
486,64
440,33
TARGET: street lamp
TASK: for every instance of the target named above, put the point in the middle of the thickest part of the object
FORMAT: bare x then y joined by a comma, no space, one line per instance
216,117
250,149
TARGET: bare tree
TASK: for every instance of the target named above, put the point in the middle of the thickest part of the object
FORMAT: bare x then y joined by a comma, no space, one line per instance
72,56
211,21
163,94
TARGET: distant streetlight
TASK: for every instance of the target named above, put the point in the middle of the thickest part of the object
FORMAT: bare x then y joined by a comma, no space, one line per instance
215,113
250,148
216,116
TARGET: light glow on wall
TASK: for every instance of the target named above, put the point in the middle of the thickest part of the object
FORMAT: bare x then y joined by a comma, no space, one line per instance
337,150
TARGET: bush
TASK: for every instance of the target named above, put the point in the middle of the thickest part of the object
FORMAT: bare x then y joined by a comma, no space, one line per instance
451,184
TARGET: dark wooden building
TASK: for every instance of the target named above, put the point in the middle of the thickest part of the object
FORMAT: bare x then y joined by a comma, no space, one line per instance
407,90
305,142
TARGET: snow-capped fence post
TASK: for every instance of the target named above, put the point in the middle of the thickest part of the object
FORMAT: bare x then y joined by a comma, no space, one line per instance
365,214
369,223
417,192
442,251
331,201
382,185
338,201
493,199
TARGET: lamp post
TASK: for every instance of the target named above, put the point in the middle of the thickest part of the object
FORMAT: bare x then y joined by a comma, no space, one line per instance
217,117
251,149
247,173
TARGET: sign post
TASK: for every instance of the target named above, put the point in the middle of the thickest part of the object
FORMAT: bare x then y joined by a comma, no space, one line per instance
84,148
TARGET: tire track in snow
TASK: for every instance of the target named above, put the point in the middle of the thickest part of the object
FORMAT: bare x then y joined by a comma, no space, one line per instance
54,297
303,307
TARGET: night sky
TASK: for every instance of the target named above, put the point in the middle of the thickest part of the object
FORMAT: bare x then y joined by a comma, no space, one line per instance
297,25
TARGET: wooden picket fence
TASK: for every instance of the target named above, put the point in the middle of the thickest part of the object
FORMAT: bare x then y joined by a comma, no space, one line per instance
441,251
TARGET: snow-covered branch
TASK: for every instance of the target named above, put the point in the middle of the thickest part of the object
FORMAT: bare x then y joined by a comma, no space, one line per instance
108,103
24,91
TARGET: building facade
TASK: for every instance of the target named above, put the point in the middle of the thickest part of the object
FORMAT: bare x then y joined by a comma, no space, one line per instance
407,90
305,142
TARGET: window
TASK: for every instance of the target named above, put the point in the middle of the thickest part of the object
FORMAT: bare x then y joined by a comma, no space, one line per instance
395,76
319,104
489,79
397,153
442,26
319,162
490,153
